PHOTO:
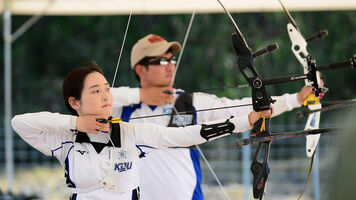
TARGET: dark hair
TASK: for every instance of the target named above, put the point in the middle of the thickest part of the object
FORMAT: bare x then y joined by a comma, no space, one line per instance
73,83
143,62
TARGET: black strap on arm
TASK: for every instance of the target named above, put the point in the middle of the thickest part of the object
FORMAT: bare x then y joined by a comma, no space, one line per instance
186,112
216,130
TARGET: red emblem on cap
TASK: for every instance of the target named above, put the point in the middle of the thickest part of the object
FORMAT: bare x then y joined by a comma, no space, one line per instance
156,38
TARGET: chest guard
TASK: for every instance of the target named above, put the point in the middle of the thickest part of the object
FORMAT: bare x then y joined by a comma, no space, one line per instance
123,172
187,114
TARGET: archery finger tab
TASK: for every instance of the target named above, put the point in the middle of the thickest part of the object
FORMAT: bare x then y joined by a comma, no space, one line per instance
167,92
101,120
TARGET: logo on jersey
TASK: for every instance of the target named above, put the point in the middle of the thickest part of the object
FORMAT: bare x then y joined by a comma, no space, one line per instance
122,154
82,152
121,167
167,110
182,120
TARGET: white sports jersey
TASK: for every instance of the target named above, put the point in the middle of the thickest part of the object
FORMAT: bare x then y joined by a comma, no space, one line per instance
94,169
174,173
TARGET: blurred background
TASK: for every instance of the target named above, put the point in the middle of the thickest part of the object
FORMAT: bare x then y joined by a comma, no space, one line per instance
53,44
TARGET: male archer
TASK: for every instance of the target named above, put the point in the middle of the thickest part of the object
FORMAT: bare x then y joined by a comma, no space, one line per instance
175,173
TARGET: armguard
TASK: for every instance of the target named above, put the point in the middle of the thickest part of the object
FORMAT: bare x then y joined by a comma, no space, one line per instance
216,130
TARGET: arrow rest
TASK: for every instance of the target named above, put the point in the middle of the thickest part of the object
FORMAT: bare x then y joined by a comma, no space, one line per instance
319,92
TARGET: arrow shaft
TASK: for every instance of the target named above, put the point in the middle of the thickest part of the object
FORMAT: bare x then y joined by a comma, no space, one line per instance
187,112
283,135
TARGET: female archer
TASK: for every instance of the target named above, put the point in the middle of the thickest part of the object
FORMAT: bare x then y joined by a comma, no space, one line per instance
101,160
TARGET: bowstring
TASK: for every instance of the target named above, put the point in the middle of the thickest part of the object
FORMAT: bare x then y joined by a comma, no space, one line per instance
177,113
119,59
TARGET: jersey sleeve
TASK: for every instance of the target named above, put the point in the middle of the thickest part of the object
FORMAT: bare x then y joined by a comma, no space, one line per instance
205,101
47,132
283,103
151,136
155,136
123,96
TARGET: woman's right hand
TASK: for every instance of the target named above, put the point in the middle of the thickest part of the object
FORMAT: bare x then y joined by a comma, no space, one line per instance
89,124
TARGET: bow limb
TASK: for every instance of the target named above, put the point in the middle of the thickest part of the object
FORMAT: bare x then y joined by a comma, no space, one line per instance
122,45
299,49
183,46
261,100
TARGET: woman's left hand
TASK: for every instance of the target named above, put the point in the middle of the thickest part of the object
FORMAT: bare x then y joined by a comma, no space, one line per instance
255,116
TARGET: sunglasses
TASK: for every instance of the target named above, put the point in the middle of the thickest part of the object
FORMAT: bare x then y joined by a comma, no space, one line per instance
163,61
